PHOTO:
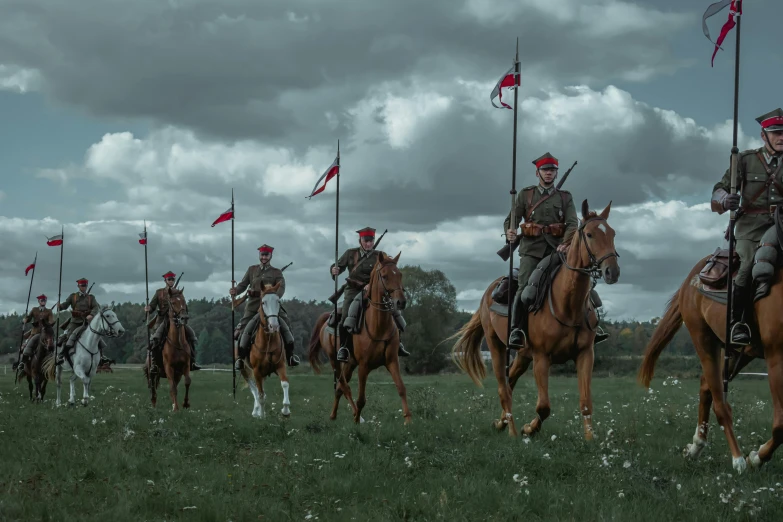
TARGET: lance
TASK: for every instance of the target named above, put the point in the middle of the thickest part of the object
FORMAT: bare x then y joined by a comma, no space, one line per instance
59,291
147,297
233,308
26,309
732,215
336,255
513,221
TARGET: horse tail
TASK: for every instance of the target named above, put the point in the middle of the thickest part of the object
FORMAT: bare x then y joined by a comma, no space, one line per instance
48,367
466,352
662,336
314,352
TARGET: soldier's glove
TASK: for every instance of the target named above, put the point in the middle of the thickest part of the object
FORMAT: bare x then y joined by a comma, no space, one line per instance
731,201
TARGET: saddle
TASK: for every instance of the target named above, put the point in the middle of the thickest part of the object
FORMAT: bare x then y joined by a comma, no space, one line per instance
542,279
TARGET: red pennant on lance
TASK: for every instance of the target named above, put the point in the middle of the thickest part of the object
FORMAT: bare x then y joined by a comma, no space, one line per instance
331,172
735,10
143,238
26,270
225,216
55,240
509,80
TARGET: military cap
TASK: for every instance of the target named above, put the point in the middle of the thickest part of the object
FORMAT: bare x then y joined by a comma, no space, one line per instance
42,296
772,121
547,160
81,281
169,274
366,232
265,248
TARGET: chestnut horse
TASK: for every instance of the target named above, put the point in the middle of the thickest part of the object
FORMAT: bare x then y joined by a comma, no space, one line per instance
175,353
34,371
266,354
706,323
562,330
374,346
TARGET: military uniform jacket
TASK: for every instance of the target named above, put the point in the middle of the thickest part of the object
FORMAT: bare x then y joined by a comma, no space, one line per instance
37,317
350,259
256,278
558,210
81,306
753,181
160,301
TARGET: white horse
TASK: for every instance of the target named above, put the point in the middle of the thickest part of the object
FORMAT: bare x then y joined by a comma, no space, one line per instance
267,355
87,355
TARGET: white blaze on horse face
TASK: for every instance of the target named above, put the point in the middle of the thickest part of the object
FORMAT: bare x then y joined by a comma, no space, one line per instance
602,228
271,307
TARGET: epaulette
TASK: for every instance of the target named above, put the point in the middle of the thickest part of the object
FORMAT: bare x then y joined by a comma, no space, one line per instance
564,191
531,187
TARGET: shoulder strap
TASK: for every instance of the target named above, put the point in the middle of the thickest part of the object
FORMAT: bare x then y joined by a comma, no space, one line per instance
75,297
355,258
563,201
534,207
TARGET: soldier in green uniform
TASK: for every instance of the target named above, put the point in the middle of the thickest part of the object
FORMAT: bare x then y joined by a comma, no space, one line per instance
42,319
160,301
83,308
550,223
255,279
359,262
760,188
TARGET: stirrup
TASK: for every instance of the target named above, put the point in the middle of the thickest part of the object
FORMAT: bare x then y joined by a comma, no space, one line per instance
515,346
293,361
239,364
345,357
194,367
402,352
739,328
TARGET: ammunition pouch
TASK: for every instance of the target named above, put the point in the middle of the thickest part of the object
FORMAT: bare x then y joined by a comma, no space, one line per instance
715,273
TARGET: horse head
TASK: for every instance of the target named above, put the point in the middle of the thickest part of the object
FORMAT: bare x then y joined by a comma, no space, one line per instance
596,243
106,323
178,311
389,277
270,307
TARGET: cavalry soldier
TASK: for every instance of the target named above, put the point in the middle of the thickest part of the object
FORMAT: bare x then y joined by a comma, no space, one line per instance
359,262
83,308
42,319
550,223
255,279
760,191
160,301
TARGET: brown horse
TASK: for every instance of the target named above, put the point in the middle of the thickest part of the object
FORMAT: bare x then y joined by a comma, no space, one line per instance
175,353
374,346
34,371
266,354
706,323
562,330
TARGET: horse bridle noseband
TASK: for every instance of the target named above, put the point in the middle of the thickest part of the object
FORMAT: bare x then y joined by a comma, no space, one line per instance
111,333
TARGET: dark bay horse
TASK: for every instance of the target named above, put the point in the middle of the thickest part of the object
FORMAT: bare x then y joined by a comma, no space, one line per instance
374,346
34,371
562,330
266,354
706,323
175,353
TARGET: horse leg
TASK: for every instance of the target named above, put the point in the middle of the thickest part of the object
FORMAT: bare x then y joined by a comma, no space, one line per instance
541,371
711,366
584,372
86,387
286,411
519,367
261,394
186,402
694,449
362,400
72,398
58,376
30,387
394,370
254,391
173,382
498,352
775,371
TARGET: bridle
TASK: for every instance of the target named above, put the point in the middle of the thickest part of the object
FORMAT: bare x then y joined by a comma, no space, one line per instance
593,269
386,304
265,316
110,326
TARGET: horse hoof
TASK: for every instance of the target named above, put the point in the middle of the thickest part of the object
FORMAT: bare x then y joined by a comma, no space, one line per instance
186,405
588,435
754,460
285,412
406,423
739,464
528,430
499,425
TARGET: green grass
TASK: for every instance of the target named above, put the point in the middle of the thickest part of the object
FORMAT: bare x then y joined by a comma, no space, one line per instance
119,460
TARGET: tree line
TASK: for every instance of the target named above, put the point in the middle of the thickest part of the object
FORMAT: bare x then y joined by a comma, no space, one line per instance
431,315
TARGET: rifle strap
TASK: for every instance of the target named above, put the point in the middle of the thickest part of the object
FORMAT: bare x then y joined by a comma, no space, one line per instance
534,207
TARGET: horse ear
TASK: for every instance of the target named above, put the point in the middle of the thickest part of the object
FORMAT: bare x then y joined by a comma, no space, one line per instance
397,257
276,287
585,209
382,258
605,212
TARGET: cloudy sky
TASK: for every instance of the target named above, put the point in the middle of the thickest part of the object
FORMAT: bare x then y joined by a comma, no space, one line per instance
116,112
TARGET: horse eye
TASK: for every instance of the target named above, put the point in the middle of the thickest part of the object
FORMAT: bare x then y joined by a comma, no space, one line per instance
589,234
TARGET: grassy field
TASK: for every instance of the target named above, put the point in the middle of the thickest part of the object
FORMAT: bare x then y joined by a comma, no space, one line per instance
118,459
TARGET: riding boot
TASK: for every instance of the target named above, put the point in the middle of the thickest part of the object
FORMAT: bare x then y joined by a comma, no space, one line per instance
193,366
740,331
104,359
518,335
290,358
25,359
402,352
238,363
343,353
600,335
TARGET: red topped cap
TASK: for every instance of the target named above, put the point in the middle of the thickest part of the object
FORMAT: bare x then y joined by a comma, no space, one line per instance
81,281
169,274
265,248
42,296
546,159
366,232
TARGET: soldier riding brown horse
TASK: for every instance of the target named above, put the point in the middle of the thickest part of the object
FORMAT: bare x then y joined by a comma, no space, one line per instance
375,339
562,327
37,346
160,301
700,301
